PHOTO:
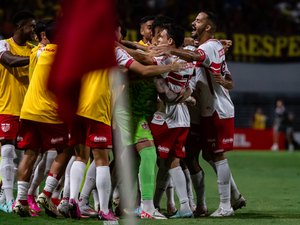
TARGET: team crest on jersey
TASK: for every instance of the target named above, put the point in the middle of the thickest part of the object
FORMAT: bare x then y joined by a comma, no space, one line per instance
5,127
145,126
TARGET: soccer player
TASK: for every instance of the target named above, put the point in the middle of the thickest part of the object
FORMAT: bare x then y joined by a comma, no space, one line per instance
40,130
14,60
92,129
143,98
43,164
146,30
216,108
171,122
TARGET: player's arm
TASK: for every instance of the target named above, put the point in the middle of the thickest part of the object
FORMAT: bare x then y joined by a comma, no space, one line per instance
139,56
8,59
153,70
134,45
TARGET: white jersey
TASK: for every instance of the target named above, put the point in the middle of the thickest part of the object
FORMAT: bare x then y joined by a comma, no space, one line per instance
175,115
124,60
210,96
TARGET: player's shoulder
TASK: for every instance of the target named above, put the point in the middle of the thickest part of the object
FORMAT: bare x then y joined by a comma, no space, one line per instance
4,43
212,43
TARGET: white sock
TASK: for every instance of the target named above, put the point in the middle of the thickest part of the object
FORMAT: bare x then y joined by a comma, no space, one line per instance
103,183
7,170
96,199
89,184
180,187
57,191
223,173
38,176
22,190
76,177
50,156
198,183
170,192
51,183
235,194
189,187
66,193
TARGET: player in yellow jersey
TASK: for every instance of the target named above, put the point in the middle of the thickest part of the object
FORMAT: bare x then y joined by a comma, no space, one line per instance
43,164
146,30
14,60
43,41
40,130
92,129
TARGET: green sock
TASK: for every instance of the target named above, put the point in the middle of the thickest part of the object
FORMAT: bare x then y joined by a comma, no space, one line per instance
147,172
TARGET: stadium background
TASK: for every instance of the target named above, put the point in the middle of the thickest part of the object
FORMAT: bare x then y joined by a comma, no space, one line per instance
264,58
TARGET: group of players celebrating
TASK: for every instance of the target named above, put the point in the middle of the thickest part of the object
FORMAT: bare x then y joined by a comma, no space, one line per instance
167,101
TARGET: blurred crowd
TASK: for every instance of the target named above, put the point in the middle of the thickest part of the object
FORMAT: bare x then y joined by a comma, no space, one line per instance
274,17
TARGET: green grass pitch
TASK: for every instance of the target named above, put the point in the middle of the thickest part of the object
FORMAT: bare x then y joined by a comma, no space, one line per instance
270,181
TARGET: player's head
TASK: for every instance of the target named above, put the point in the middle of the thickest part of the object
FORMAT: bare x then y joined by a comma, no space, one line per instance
25,24
158,25
40,30
204,23
121,31
146,28
50,30
171,35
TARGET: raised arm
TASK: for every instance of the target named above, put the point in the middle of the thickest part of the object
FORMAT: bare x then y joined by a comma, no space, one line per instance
8,59
153,70
139,56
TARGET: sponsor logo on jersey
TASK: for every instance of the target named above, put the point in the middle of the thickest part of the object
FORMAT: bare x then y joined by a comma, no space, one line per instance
163,149
56,140
227,140
100,139
19,138
5,127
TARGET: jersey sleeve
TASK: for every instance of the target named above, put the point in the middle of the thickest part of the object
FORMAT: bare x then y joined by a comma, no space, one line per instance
204,51
123,58
4,46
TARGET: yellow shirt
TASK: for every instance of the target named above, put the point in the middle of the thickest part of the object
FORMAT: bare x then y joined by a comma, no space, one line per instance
13,80
95,97
39,103
142,43
33,59
259,122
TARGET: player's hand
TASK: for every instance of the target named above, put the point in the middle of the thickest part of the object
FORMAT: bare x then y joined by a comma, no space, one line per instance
226,44
162,49
184,95
219,78
191,101
177,66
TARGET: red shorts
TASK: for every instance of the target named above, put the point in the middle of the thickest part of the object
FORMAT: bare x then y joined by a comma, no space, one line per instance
169,140
91,133
9,127
42,136
218,133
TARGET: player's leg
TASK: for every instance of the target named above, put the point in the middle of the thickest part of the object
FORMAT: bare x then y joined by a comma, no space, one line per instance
63,206
220,130
194,144
147,152
56,172
189,185
8,133
29,140
89,185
